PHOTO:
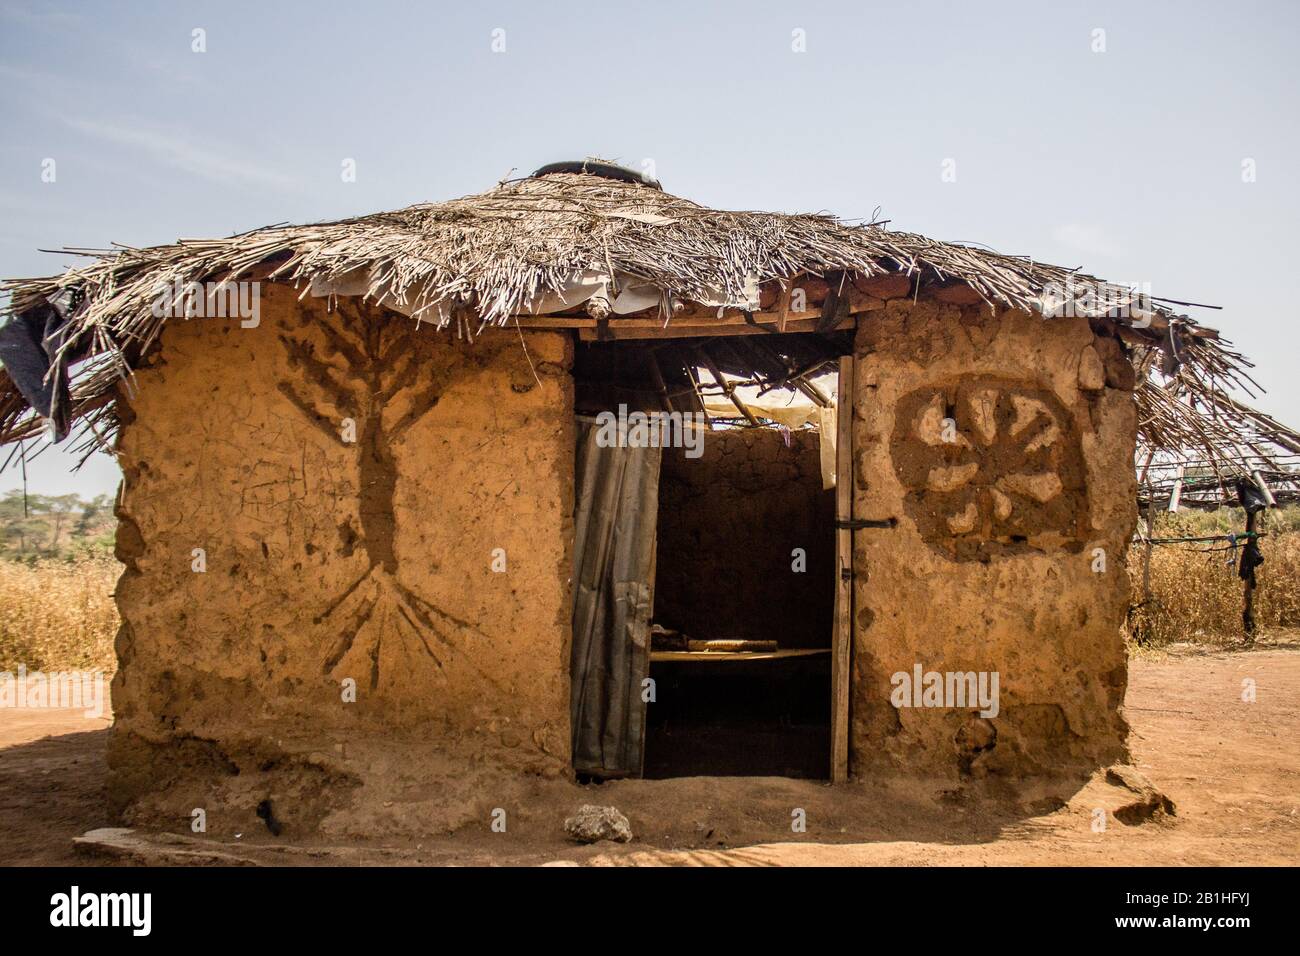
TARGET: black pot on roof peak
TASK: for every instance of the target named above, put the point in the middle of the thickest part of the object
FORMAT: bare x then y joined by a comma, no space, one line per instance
596,167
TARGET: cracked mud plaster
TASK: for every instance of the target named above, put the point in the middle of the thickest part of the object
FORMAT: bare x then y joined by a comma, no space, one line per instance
990,566
329,560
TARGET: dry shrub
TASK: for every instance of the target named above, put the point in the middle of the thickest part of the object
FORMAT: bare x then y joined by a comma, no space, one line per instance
1197,596
56,615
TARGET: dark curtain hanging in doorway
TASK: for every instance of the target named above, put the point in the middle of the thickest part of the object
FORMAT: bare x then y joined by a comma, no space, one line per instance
616,515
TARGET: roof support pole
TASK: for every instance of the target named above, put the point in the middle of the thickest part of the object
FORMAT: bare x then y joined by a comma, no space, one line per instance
728,388
1248,589
658,376
1177,493
842,636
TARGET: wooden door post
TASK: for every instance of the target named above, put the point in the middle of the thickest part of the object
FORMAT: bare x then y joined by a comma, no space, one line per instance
842,636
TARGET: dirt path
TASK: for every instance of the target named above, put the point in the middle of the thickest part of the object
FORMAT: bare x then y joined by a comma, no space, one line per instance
51,783
1231,767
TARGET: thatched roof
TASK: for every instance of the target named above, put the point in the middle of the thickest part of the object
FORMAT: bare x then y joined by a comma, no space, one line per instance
572,241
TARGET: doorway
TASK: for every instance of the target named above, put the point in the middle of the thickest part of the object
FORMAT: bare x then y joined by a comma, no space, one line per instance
717,645
743,610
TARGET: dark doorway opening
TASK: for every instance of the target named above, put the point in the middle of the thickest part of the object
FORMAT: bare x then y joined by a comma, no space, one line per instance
745,554
764,718
738,642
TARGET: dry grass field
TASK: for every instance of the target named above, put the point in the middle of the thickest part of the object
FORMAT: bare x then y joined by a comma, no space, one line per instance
1196,595
58,614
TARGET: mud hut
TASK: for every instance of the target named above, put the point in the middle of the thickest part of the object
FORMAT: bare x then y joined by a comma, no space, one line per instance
371,532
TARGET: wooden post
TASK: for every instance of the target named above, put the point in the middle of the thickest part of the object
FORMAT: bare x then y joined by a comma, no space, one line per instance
842,636
1149,512
783,310
660,385
1248,589
728,388
699,395
1176,495
1146,557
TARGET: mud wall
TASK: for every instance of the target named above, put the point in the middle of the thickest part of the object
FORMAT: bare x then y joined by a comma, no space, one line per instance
728,524
348,479
1003,445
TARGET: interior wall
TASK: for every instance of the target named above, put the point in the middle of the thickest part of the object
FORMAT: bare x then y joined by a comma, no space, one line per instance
1009,551
729,522
423,560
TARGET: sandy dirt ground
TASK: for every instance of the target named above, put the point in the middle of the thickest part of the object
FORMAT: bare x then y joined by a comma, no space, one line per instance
1230,767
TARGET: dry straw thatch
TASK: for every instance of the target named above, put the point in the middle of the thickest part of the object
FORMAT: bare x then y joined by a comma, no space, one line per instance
483,259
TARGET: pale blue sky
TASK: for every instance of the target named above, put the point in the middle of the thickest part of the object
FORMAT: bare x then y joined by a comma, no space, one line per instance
1126,162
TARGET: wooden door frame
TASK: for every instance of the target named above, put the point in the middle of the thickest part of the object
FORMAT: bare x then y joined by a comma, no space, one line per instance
842,633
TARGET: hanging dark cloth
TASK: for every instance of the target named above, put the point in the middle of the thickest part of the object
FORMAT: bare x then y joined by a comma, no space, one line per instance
615,521
29,346
1253,502
1252,499
1251,558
